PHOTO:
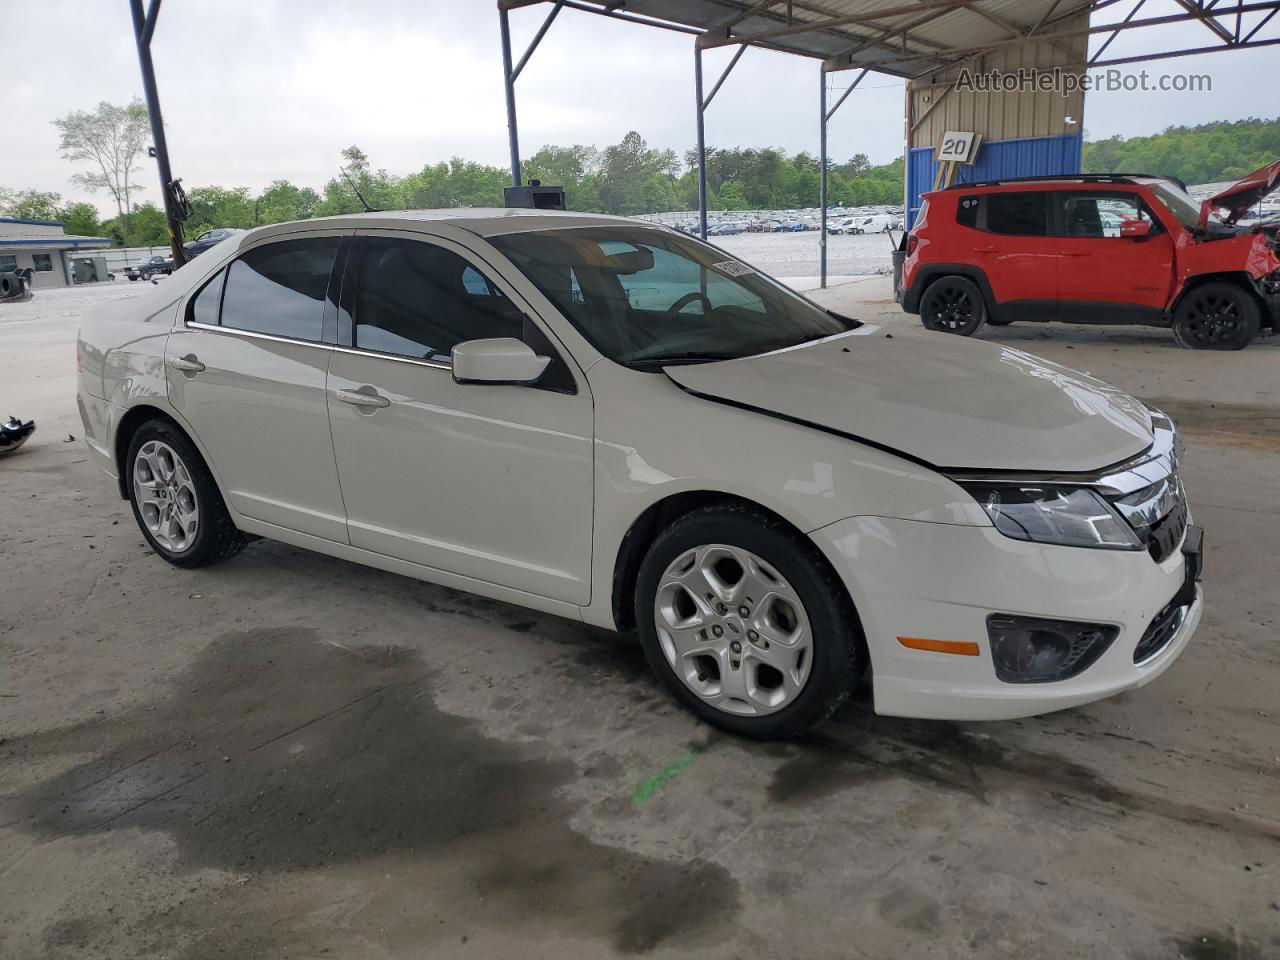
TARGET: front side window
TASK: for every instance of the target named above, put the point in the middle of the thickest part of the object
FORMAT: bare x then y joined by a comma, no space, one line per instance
643,296
43,262
280,288
1099,214
1018,213
419,300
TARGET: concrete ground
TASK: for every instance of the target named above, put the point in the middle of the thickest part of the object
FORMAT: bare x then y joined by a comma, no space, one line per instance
292,756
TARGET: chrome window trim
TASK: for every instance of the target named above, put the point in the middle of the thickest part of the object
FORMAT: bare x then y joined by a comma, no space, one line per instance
255,335
1158,462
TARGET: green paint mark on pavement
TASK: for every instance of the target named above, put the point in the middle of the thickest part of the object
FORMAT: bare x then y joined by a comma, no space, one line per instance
649,787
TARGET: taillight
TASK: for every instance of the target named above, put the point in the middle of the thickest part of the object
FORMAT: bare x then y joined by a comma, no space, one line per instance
912,242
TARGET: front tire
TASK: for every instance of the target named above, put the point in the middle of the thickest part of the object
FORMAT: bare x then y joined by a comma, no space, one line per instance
746,624
953,304
1216,316
175,500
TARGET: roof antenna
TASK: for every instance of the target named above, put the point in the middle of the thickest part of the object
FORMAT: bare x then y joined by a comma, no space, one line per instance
363,202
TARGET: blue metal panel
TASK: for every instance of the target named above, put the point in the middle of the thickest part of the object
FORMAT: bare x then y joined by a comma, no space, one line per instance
1034,157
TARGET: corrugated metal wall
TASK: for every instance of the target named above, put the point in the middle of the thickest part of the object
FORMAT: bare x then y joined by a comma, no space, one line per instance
1034,156
1024,133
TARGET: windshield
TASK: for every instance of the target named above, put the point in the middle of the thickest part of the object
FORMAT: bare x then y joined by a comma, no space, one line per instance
644,296
1179,203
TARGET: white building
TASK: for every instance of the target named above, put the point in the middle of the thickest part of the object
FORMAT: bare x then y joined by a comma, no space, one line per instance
41,245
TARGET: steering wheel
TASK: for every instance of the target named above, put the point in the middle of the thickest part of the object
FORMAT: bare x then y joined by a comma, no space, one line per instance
687,299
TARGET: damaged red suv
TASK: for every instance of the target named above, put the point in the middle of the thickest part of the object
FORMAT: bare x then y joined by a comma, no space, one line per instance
1113,248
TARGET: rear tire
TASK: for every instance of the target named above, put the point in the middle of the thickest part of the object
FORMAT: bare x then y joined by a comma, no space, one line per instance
175,500
1216,316
775,649
953,304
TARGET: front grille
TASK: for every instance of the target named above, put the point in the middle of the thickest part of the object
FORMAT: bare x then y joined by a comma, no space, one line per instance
1162,629
1166,533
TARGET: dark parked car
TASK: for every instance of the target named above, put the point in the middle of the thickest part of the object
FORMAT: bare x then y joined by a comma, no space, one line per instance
149,267
207,240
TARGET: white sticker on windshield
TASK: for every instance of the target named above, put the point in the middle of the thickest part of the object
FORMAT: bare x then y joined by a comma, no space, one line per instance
733,268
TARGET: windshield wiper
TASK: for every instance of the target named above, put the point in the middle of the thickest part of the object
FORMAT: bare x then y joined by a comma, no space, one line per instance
663,359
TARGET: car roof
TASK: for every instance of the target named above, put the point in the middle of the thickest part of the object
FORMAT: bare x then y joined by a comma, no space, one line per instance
482,221
1069,181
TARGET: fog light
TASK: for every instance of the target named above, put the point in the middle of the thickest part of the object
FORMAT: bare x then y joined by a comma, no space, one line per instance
1038,650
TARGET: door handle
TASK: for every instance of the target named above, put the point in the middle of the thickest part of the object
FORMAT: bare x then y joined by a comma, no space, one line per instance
187,364
365,397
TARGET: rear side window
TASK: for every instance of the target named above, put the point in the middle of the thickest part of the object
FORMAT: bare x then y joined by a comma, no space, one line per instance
967,211
280,288
1024,214
204,308
418,300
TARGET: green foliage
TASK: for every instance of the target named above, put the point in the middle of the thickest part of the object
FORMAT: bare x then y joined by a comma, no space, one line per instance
30,204
1208,153
145,227
81,220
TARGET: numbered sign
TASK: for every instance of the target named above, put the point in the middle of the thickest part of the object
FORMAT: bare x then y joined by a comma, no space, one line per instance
958,147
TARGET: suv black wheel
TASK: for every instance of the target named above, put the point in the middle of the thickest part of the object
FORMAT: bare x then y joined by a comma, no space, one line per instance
953,305
1216,316
746,624
175,500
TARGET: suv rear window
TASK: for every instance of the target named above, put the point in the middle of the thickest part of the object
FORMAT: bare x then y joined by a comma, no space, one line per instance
1020,213
967,211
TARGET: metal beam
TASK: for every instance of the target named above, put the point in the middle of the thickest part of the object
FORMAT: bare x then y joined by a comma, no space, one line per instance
812,26
1193,51
822,178
1115,33
845,96
144,26
537,39
513,134
702,144
724,76
1199,12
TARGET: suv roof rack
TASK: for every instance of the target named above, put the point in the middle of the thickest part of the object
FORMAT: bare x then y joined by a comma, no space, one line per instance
1070,178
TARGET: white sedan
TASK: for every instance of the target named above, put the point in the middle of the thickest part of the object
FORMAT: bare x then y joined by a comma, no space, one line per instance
610,421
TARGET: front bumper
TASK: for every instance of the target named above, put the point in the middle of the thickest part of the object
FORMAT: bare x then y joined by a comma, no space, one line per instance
941,581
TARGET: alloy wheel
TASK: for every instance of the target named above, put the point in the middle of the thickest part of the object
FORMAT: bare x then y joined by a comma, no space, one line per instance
1212,320
950,307
733,630
166,496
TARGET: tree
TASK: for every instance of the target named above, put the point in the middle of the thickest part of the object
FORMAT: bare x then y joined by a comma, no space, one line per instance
146,227
31,205
283,201
109,140
81,220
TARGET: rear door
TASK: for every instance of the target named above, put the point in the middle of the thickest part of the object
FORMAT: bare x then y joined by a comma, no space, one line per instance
1104,277
487,481
247,371
1011,242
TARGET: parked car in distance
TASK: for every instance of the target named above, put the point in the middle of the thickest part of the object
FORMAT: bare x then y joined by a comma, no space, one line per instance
208,240
1115,248
606,420
150,267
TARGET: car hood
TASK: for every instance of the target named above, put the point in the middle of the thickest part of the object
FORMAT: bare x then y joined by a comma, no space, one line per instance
937,398
1238,198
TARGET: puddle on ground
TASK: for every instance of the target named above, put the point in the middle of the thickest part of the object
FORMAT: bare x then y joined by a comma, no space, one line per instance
277,752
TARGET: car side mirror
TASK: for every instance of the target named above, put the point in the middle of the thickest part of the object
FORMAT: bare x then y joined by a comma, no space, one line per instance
497,360
1135,229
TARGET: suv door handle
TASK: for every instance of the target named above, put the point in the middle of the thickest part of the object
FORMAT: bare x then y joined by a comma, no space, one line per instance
364,397
187,364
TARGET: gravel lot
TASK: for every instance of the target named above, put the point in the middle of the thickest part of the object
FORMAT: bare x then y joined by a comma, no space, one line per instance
291,756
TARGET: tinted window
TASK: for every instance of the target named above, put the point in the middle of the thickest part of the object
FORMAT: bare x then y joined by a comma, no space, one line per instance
967,211
1022,214
204,308
42,262
280,288
1099,214
8,262
418,300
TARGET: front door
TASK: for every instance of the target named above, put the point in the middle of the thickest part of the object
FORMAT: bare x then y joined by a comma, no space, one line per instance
1013,246
1104,277
247,369
488,481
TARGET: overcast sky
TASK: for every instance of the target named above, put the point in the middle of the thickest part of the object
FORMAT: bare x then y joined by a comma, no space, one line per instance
255,90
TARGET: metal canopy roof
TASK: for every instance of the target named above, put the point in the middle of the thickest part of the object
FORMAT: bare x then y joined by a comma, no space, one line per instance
910,38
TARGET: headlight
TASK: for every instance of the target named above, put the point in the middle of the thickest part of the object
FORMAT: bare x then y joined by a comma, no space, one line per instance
1044,513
